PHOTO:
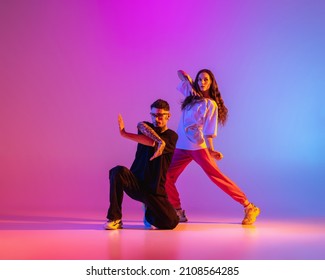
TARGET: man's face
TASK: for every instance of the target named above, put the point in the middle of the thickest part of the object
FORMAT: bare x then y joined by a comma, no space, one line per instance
159,117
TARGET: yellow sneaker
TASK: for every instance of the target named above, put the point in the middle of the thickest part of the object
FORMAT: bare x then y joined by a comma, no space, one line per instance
251,213
117,224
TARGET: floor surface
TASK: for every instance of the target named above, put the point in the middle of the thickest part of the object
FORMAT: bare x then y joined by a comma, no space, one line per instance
202,238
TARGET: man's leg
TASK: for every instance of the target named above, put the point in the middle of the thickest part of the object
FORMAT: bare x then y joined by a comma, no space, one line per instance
159,212
121,179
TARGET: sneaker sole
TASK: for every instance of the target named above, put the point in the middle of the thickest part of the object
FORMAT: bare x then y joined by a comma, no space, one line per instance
113,228
107,228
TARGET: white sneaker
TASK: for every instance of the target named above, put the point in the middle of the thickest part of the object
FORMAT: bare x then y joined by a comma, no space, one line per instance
181,215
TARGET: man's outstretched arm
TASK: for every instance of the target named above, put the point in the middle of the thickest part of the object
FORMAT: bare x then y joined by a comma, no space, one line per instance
140,138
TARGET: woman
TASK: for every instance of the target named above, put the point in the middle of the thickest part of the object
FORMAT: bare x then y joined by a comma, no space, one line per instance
202,109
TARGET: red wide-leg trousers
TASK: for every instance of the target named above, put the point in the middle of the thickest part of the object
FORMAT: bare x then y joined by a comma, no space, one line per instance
202,157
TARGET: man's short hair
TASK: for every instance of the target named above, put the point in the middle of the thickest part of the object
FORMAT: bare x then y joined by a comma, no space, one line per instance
160,104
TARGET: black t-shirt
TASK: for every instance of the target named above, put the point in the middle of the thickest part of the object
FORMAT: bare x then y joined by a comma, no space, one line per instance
152,174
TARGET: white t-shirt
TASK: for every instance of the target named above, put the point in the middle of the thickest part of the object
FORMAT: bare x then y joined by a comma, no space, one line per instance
196,121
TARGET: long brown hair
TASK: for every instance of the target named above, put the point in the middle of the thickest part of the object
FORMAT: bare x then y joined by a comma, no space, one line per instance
214,94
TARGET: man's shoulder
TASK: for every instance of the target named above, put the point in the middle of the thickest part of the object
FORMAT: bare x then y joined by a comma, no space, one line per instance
169,133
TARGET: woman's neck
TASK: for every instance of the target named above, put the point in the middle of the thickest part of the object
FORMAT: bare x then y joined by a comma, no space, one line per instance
206,94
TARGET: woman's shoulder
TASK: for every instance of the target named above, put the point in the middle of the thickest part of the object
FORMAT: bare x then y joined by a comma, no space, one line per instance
211,102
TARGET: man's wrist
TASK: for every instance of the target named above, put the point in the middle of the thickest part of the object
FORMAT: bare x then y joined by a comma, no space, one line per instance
123,132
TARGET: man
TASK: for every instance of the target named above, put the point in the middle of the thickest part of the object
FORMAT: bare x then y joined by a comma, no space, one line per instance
145,181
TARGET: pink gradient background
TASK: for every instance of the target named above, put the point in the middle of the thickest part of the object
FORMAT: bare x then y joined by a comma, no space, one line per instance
68,68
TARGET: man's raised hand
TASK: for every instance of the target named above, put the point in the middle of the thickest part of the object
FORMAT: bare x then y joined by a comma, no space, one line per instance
121,124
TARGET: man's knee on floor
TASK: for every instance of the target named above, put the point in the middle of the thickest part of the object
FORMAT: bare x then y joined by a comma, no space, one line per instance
162,220
174,222
170,223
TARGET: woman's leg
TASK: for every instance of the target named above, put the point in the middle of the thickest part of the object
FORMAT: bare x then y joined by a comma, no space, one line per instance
181,159
203,158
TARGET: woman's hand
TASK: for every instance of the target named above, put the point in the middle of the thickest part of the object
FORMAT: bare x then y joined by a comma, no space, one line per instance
184,76
216,155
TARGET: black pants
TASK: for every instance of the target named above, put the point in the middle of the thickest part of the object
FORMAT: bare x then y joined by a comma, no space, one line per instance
159,212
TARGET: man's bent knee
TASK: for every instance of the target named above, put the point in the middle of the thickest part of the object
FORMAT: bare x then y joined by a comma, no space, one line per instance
117,170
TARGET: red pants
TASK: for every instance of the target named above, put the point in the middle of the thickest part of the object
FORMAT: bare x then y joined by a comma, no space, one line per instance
182,158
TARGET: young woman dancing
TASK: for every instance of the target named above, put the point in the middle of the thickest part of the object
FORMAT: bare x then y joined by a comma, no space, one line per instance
202,109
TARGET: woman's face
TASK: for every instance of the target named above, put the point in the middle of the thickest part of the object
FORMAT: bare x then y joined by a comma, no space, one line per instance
204,82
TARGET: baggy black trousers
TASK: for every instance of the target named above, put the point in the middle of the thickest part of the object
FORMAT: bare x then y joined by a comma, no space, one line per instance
159,212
